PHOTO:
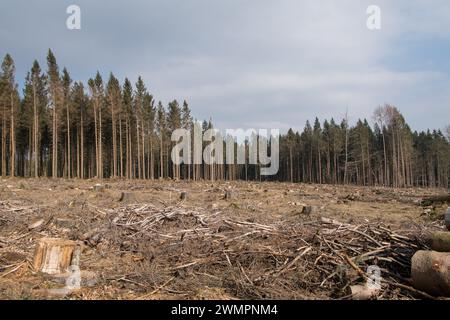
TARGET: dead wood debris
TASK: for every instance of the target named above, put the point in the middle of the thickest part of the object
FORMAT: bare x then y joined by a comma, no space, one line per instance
162,248
252,260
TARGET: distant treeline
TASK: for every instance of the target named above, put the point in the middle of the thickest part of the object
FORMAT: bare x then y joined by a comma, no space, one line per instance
61,128
388,154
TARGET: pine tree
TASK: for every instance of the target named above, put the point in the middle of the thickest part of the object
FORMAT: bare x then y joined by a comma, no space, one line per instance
80,104
173,123
327,142
114,100
186,123
97,94
9,99
307,141
55,98
161,127
66,87
290,142
127,107
317,142
56,129
149,119
35,101
139,96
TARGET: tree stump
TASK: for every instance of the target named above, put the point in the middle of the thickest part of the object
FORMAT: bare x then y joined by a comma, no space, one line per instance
183,195
430,272
127,197
98,187
228,195
54,255
307,210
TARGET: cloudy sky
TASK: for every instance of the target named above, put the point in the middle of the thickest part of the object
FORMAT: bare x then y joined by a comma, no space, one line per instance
251,63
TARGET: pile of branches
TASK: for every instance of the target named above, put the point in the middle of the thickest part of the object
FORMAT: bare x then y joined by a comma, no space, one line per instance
13,220
10,208
292,259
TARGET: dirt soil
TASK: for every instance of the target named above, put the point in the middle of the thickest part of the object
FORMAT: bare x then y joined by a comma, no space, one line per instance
263,241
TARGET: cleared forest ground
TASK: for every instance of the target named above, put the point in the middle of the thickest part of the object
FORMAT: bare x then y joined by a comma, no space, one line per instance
265,241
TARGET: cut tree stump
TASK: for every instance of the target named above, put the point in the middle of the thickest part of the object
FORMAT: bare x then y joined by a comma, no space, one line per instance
310,210
98,187
430,271
54,255
127,197
183,195
440,241
228,195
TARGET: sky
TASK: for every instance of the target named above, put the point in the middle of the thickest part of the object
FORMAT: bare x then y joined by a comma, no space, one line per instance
251,63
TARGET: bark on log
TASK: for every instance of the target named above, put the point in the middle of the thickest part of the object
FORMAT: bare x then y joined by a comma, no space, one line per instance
430,272
440,241
54,255
427,201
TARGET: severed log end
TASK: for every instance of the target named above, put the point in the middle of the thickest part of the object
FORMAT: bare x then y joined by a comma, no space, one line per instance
363,292
430,271
54,255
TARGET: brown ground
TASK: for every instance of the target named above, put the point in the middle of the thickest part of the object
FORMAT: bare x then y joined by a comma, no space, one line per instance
144,243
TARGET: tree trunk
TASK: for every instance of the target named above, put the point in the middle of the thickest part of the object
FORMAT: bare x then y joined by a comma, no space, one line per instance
35,134
82,147
114,141
138,144
127,146
69,174
96,141
386,180
120,146
143,151
100,144
12,138
55,139
291,172
4,144
161,173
